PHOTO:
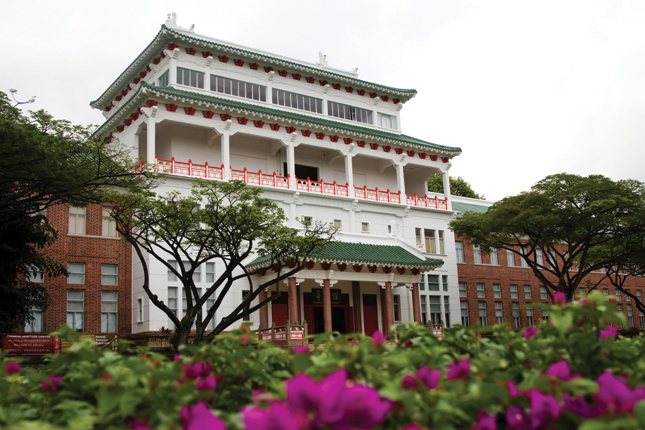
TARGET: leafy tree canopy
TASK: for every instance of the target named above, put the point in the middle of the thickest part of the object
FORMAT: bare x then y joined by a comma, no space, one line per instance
564,228
458,187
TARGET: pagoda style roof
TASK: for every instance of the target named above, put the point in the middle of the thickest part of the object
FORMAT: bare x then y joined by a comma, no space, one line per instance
361,253
185,38
240,108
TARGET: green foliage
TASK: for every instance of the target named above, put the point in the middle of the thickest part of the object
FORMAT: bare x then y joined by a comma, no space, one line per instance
458,187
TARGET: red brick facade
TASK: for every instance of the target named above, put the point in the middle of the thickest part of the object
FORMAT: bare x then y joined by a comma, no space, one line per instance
93,250
471,274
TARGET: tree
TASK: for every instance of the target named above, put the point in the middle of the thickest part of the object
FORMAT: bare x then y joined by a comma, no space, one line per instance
566,227
458,187
219,221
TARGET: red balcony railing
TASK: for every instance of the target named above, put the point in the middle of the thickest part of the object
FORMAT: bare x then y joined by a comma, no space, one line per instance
276,181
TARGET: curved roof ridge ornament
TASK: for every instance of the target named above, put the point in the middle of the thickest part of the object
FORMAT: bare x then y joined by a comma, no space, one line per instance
171,22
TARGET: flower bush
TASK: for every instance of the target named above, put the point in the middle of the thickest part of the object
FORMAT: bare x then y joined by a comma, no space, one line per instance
571,372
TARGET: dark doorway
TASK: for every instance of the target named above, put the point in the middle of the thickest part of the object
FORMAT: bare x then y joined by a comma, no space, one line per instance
370,314
304,172
338,319
319,320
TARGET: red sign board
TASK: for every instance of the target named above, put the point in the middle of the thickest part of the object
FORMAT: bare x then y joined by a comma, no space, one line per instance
30,344
438,332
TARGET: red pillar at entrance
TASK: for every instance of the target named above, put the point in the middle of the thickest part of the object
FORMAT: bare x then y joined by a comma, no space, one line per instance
416,307
389,310
326,292
358,317
293,301
264,312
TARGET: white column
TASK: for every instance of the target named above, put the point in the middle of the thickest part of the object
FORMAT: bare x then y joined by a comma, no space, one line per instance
151,149
446,189
349,174
291,165
172,71
352,221
400,180
226,156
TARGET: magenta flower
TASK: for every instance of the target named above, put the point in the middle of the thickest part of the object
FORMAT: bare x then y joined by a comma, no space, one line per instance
106,376
530,332
200,417
206,384
197,370
559,298
378,339
362,408
413,426
301,349
429,377
52,386
459,369
244,340
615,396
12,367
545,409
561,370
516,419
277,417
513,391
137,423
409,383
176,357
580,407
485,421
611,331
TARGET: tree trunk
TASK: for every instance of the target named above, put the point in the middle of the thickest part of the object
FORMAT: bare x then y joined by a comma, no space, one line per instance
181,336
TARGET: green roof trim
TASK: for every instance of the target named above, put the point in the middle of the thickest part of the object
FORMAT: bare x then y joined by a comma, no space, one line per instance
361,253
166,35
220,102
468,207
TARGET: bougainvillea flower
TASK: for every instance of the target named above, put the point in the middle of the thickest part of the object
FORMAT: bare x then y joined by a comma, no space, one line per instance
206,384
378,339
277,417
530,332
559,298
513,391
409,383
302,394
413,426
561,370
545,409
611,331
516,419
580,407
197,370
458,369
106,376
52,386
200,417
614,395
176,357
301,349
137,423
429,377
12,367
362,408
485,421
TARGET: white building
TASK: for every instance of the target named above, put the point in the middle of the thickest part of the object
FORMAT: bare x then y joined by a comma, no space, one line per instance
201,107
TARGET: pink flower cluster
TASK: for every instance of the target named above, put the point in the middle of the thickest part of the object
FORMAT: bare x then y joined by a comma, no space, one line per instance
334,402
201,372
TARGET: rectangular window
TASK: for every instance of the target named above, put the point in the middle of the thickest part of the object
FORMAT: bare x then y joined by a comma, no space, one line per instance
140,309
493,256
445,283
463,291
523,262
529,317
433,282
545,315
441,246
190,78
605,291
36,275
197,274
396,304
75,308
239,88
422,285
499,313
431,243
387,121
424,310
76,220
618,295
538,257
306,221
109,274
465,319
76,273
297,101
480,290
459,246
36,324
210,302
527,291
435,309
172,304
210,273
108,227
515,307
514,292
351,113
630,316
483,318
163,79
552,259
365,227
510,258
109,306
543,295
582,291
245,295
627,296
338,225
497,291
171,275
477,254
638,296
446,305
417,233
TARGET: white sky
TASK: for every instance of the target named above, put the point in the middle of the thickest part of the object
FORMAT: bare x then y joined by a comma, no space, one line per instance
526,89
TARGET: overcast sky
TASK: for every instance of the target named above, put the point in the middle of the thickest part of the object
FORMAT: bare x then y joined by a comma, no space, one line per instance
526,89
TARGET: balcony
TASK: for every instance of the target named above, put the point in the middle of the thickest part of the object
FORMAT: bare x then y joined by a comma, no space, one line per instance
320,187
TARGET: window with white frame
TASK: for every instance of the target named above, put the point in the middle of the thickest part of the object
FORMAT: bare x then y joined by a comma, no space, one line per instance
618,297
171,275
483,317
641,317
465,318
433,282
109,306
463,290
523,262
441,242
387,121
307,221
247,90
417,233
638,295
527,291
338,225
424,309
620,309
210,302
497,291
140,309
628,298
514,291
515,308
630,316
75,309
435,309
190,78
543,294
210,273
493,256
446,305
510,258
538,257
245,295
422,285
396,304
459,246
445,283
76,272
605,291
173,296
431,243
109,274
35,325
297,101
582,291
365,227
552,259
480,290
477,254
163,79
351,113
197,273
499,313
108,226
76,220
35,274
529,317
545,315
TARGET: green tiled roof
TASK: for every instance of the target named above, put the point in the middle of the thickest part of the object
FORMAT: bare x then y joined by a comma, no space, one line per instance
361,253
167,35
292,117
468,207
